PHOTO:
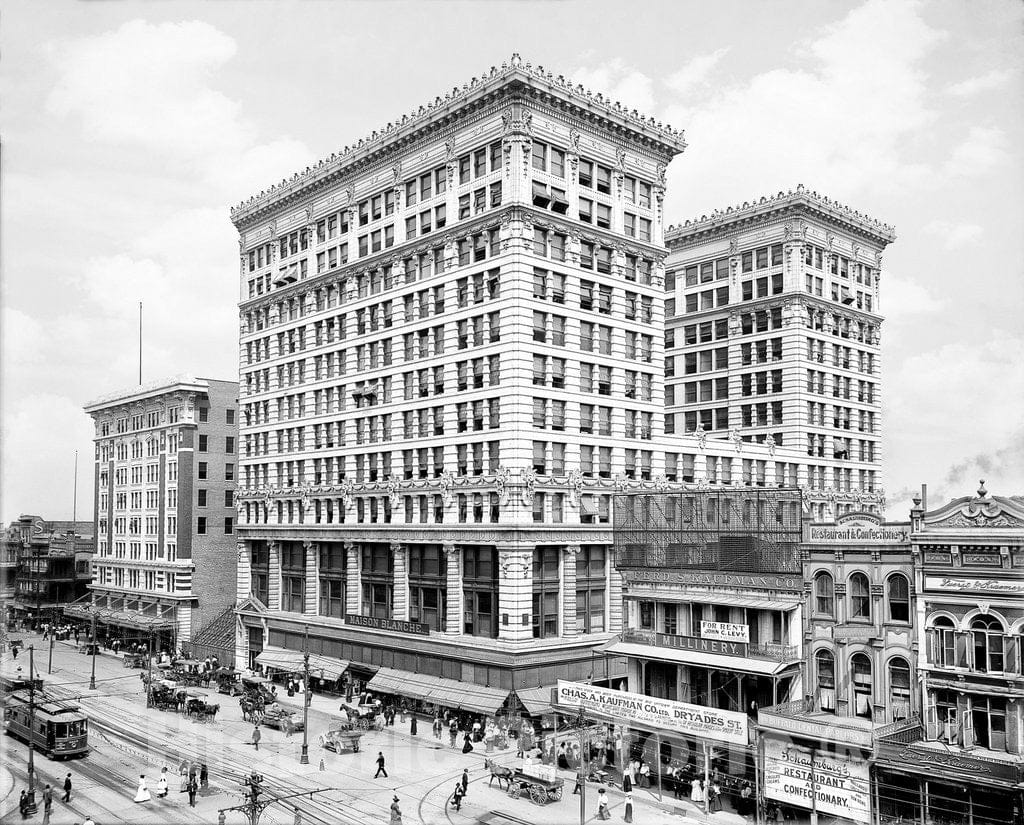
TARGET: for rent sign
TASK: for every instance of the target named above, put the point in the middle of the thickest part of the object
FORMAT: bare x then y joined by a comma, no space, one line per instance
725,632
835,784
655,714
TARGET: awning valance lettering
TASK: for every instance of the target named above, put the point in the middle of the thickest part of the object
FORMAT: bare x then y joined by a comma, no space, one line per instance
761,667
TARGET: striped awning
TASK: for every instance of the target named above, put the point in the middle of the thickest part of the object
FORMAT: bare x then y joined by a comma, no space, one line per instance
537,701
291,661
448,693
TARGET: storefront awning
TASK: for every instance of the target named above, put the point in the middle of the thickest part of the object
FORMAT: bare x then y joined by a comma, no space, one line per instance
291,661
761,667
447,692
537,701
122,618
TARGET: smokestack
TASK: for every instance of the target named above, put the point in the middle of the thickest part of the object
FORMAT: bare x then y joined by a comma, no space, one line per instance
924,497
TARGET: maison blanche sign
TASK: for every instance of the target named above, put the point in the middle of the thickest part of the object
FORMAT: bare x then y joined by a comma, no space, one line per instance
959,585
724,631
860,532
834,784
722,648
391,625
655,714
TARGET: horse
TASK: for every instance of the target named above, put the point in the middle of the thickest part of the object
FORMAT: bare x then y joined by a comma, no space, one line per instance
499,772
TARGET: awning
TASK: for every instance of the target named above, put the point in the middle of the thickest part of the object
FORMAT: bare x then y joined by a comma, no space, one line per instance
123,618
537,701
447,692
291,661
733,601
761,667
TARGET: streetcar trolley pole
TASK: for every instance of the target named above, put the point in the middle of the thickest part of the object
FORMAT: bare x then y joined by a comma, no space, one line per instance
257,802
92,676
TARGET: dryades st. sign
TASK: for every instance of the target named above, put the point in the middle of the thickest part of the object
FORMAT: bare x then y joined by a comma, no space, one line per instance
654,714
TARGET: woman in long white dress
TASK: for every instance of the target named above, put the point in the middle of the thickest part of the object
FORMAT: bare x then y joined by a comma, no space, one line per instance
697,792
161,784
142,795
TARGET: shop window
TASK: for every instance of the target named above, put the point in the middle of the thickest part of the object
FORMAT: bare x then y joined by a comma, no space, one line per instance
899,598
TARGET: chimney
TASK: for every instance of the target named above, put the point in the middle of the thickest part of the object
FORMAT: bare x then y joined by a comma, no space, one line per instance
924,497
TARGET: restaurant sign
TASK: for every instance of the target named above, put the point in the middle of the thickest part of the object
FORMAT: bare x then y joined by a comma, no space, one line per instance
860,532
958,585
725,632
829,783
390,625
722,648
652,713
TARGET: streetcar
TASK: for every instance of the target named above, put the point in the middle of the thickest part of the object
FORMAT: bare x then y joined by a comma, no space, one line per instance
61,729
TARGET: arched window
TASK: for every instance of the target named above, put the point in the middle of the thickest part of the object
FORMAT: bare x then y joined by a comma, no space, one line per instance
824,595
899,598
860,678
943,642
825,669
988,637
860,597
899,687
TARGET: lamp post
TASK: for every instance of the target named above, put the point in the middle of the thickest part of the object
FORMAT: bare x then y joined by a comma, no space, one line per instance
304,756
580,724
31,801
92,641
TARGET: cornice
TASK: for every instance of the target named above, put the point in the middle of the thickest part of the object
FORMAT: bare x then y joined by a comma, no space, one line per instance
514,79
751,213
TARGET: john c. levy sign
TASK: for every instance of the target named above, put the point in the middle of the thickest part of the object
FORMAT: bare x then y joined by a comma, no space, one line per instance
835,784
655,714
725,632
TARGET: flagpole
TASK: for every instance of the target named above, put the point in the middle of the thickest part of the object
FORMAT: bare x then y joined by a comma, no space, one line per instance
140,343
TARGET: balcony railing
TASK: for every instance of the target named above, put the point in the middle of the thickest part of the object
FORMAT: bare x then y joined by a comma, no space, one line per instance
902,732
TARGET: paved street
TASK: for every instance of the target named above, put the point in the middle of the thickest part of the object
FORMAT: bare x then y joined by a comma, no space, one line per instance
128,739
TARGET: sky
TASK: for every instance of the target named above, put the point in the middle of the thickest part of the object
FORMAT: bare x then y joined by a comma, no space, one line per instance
129,130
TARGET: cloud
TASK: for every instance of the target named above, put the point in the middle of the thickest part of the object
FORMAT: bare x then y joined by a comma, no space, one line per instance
984,148
955,235
695,73
982,83
620,82
903,297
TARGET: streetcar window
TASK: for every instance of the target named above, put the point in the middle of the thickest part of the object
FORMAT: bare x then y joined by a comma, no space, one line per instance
62,730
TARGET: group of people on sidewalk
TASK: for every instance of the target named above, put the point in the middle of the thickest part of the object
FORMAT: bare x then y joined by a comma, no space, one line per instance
25,807
194,777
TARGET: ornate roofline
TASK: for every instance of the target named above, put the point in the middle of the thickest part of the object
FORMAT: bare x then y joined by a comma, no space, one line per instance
516,74
178,383
981,510
721,222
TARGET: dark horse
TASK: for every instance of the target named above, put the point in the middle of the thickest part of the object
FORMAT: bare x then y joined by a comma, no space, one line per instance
499,772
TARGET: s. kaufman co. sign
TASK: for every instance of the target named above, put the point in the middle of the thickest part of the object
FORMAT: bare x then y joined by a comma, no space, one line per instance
861,531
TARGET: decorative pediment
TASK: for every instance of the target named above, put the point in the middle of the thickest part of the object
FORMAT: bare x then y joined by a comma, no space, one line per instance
251,604
980,510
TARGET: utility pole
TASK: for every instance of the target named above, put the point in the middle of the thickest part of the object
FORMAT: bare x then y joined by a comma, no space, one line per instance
92,677
304,756
255,805
32,727
580,724
53,623
149,681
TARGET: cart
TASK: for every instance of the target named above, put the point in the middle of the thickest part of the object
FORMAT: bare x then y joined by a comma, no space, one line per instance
540,786
89,648
135,660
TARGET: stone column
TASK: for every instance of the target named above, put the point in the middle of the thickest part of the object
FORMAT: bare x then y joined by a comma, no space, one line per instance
614,594
400,598
312,584
515,593
569,557
311,247
453,612
274,577
353,579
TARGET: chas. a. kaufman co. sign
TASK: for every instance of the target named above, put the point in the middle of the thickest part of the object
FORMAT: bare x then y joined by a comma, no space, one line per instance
653,713
861,532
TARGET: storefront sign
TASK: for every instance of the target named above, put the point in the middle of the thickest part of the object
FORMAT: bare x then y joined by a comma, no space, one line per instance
860,533
654,714
937,557
835,784
1011,588
982,559
701,645
824,730
958,765
390,625
759,581
724,631
853,634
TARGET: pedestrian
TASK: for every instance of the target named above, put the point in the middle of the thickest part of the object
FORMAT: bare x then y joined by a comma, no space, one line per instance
380,766
412,725
192,787
437,727
76,636
697,795
289,727
161,784
465,781
453,731
457,795
645,775
467,746
297,819
396,812
627,814
602,804
256,737
204,777
714,797
746,792
183,774
67,789
579,780
142,794
23,805
47,804
627,781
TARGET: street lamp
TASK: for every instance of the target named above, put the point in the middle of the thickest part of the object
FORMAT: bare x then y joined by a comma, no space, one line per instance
580,724
92,641
304,756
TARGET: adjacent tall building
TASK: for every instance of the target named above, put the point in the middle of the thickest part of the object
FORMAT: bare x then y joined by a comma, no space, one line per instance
773,336
165,483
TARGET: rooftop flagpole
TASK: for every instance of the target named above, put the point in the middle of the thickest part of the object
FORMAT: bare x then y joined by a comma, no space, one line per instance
140,343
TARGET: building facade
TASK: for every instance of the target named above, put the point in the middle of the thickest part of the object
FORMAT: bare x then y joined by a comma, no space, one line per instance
961,758
451,359
166,465
773,335
50,566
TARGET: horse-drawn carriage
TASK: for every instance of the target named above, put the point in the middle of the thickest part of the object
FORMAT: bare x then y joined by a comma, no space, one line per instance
539,782
135,660
189,672
361,716
167,695
199,707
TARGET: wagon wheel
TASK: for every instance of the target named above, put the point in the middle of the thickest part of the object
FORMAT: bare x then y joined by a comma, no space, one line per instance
515,790
557,793
538,794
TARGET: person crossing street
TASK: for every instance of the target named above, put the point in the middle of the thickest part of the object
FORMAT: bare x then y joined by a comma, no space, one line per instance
67,789
380,766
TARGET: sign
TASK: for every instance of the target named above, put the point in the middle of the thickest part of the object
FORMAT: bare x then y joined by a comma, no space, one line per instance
725,632
959,765
861,532
835,784
757,581
982,559
853,634
937,557
1010,588
824,730
656,714
701,645
390,625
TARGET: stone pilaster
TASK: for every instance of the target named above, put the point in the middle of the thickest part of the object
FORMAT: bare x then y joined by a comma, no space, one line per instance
453,613
569,557
353,579
515,594
400,600
312,583
243,580
614,595
274,577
